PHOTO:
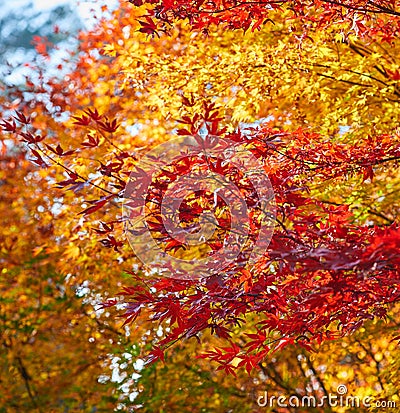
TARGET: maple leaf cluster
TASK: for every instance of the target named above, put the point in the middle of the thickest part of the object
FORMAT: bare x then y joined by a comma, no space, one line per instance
372,18
321,275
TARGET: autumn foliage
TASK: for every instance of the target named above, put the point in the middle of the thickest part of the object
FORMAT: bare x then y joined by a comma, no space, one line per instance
215,194
376,18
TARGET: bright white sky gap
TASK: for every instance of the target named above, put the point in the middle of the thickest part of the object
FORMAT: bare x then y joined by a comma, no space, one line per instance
83,7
